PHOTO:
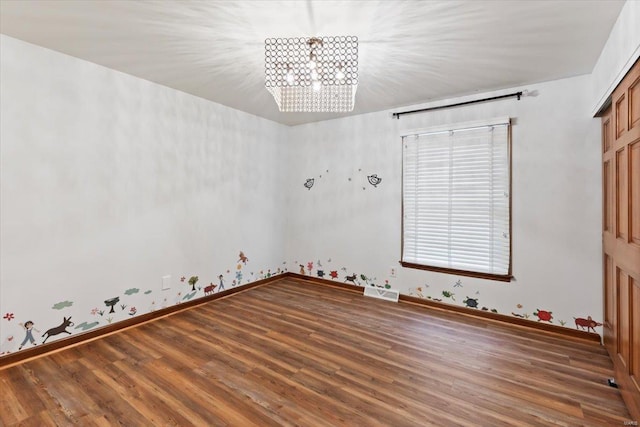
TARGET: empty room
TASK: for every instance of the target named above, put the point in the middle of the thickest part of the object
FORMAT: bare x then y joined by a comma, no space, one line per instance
319,213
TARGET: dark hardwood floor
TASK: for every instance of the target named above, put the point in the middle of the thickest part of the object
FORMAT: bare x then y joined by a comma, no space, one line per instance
296,353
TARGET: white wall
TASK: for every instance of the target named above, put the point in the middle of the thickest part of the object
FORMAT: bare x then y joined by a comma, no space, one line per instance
556,202
110,182
618,55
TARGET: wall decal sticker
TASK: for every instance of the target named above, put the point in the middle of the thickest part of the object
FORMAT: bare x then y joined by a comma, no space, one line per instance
301,269
221,279
66,322
243,258
133,311
448,294
192,281
210,289
310,266
86,326
368,280
29,328
309,183
239,276
471,302
374,180
544,315
587,323
352,279
112,302
8,316
94,311
148,292
458,284
320,273
182,279
519,314
333,274
131,291
61,305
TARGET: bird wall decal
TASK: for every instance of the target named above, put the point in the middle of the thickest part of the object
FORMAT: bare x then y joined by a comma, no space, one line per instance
309,183
374,180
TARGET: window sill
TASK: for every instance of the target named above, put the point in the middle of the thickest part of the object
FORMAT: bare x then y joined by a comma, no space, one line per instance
488,276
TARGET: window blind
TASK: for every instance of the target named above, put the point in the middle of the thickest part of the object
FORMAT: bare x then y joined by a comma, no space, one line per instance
456,199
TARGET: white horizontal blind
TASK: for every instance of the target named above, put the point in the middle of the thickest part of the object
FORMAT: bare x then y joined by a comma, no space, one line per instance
456,189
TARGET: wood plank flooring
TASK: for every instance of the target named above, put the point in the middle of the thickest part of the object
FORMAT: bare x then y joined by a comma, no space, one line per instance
296,353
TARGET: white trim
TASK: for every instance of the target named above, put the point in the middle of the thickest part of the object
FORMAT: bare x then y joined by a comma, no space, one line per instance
623,72
458,126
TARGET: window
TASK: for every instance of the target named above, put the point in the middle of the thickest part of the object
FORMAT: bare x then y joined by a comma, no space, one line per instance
456,203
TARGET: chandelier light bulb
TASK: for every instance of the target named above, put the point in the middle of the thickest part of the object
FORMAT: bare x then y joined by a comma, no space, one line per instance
316,85
290,77
312,61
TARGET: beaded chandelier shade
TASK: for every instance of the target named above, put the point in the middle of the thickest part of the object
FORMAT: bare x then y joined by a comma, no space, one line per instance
312,74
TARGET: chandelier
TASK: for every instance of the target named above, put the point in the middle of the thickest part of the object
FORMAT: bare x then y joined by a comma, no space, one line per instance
312,74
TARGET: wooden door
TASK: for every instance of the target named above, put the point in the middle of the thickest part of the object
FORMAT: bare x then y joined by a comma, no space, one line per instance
621,235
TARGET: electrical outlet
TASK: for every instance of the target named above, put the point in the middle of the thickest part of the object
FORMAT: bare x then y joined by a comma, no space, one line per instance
392,272
166,282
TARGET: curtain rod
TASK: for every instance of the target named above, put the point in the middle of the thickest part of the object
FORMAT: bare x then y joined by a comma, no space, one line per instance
440,107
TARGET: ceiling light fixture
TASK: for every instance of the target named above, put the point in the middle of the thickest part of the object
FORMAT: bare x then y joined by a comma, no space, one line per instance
312,74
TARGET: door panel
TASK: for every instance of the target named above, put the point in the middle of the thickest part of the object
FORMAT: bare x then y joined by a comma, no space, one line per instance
635,337
634,191
607,210
621,194
634,104
610,304
606,133
622,284
621,115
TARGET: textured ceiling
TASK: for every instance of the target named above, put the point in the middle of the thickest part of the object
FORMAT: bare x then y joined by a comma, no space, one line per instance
409,51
